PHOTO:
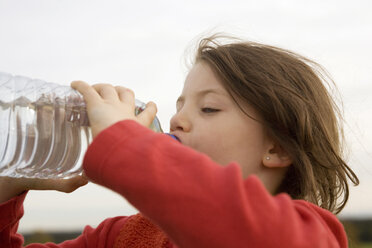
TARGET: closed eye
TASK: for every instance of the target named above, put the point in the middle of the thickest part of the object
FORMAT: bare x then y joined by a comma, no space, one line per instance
209,110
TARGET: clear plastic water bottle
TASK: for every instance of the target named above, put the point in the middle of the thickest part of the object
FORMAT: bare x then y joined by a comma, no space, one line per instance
44,128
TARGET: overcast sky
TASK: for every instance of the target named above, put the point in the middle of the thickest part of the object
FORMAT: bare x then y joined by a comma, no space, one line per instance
143,45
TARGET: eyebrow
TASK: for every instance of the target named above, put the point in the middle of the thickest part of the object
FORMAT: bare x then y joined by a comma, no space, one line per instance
202,93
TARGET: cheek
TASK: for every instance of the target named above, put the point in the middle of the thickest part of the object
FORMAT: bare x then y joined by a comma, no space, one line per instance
230,142
209,143
245,148
218,147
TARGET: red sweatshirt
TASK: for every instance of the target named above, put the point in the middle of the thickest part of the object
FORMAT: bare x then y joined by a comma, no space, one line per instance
188,200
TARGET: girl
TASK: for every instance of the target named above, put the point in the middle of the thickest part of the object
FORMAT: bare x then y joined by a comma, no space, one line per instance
257,162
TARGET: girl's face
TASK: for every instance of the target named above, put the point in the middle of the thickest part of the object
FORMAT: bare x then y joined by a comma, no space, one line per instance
209,121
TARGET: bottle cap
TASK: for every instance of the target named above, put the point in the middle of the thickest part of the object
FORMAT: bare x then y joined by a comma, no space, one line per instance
174,137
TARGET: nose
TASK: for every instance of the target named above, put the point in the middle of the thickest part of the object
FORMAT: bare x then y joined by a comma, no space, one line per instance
181,122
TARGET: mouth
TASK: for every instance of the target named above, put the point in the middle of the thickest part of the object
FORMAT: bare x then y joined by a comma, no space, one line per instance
174,137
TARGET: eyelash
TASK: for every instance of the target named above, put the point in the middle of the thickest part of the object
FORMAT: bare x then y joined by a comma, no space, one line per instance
209,110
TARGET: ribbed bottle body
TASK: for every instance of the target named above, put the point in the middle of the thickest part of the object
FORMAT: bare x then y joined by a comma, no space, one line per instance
44,128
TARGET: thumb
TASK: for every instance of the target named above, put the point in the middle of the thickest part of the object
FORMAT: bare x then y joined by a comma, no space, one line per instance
147,116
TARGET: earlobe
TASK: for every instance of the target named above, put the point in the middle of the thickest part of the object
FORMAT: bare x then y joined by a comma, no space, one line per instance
276,158
276,162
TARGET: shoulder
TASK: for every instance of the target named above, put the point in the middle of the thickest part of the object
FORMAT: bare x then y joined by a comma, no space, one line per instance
329,220
301,218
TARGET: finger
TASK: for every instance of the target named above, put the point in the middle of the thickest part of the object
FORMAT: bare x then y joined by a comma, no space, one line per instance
147,116
126,95
88,92
63,185
71,184
84,175
106,91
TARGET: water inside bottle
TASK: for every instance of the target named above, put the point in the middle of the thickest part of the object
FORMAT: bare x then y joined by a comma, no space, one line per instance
44,139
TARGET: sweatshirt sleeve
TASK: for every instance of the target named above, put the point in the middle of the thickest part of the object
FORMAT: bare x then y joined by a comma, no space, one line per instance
12,211
199,203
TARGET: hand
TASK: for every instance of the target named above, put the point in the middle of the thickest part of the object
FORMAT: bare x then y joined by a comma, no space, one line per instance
11,187
107,105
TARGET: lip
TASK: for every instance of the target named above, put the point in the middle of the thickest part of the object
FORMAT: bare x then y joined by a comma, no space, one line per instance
174,136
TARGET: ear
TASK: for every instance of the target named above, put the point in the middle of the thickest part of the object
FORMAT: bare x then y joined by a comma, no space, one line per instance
276,157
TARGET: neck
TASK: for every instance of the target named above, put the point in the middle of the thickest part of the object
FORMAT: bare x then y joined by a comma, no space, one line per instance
272,178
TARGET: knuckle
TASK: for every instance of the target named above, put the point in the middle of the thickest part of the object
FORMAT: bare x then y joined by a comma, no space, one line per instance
102,85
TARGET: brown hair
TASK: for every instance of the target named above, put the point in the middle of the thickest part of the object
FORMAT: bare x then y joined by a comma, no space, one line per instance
288,92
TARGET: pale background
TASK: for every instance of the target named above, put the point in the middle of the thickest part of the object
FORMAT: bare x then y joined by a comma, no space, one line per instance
142,44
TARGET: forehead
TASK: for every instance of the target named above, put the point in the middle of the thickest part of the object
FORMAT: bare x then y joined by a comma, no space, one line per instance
201,77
